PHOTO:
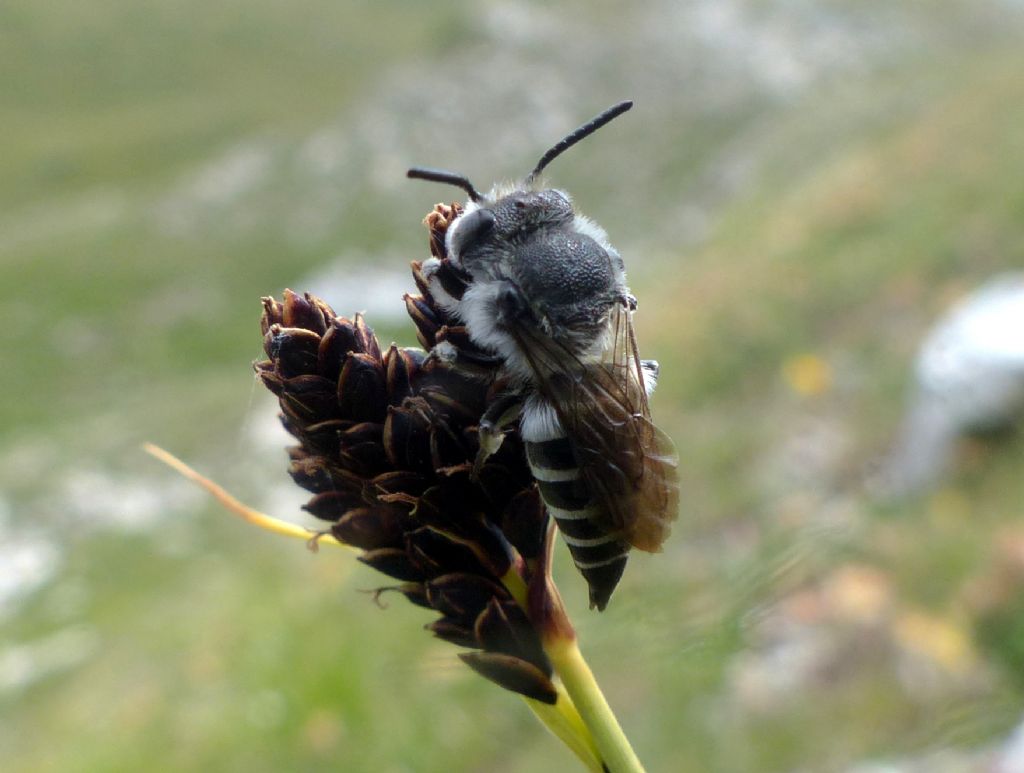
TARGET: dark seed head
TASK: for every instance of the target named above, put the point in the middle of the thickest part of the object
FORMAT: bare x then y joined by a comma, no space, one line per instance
387,444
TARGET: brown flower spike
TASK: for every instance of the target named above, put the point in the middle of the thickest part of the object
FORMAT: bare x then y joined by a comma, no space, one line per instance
387,443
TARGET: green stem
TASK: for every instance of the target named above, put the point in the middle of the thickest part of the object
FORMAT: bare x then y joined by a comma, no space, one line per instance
563,718
579,682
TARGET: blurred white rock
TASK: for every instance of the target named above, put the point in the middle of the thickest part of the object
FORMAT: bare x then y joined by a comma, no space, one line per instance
969,377
1010,758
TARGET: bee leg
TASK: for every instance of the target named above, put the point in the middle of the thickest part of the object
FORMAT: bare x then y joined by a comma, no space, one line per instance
503,412
470,363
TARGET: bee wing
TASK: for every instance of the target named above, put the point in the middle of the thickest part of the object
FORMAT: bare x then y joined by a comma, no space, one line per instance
627,462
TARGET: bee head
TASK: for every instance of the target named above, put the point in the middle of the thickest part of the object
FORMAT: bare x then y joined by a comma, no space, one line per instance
491,221
487,229
534,261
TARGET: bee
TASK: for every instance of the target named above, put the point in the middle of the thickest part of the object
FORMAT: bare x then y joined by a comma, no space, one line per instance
546,293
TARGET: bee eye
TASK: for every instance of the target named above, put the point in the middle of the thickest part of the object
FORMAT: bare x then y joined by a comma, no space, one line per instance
473,228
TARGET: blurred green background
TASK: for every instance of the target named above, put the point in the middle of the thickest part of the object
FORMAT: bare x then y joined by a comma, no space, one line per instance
801,189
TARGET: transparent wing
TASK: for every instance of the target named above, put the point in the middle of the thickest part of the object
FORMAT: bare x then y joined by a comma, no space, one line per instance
628,463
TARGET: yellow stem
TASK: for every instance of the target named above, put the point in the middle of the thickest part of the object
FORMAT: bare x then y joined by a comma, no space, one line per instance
562,719
255,517
565,723
594,710
515,585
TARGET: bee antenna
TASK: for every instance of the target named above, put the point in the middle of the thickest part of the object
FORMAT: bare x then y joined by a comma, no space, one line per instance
441,176
582,132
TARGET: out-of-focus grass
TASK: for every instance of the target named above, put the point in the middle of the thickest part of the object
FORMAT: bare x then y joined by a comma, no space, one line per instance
105,109
132,92
205,645
850,259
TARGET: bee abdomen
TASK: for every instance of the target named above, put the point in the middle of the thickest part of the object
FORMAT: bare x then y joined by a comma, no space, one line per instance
598,553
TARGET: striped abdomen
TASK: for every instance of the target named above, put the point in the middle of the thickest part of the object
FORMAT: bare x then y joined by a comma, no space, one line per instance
599,552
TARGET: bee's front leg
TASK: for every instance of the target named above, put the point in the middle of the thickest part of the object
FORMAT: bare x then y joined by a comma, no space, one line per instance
502,413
